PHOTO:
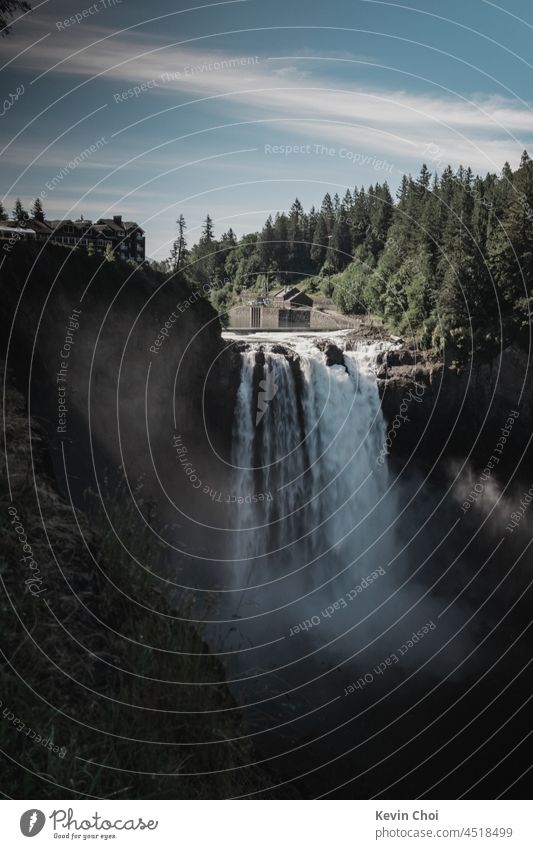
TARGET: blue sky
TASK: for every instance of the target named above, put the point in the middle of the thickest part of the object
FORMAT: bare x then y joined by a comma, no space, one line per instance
248,104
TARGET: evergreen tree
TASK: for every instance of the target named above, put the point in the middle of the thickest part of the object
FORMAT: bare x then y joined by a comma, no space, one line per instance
179,247
202,266
226,245
20,216
427,263
8,8
208,230
459,302
511,244
328,212
360,220
3,216
37,211
296,260
319,247
339,249
267,247
281,248
347,201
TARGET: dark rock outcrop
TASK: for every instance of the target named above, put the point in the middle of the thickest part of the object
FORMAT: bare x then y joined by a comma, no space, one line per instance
332,353
440,405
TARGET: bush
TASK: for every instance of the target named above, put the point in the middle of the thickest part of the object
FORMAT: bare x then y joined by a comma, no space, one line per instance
349,289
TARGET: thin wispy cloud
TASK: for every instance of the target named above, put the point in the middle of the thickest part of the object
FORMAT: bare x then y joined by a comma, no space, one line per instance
484,131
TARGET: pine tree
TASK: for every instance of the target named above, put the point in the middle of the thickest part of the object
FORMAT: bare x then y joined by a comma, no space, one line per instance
20,215
226,246
179,247
511,244
328,212
202,263
3,216
459,300
338,254
37,211
267,247
281,248
208,230
297,251
319,247
360,220
380,211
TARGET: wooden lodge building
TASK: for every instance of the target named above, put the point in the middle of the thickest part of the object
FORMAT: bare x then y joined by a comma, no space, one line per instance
125,238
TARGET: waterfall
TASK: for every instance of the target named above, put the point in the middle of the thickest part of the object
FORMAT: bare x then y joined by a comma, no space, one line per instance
318,579
307,436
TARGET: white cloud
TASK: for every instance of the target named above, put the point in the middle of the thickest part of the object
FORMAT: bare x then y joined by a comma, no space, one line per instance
396,123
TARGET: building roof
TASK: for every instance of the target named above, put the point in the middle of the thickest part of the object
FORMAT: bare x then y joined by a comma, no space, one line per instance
300,297
132,225
286,293
40,226
5,226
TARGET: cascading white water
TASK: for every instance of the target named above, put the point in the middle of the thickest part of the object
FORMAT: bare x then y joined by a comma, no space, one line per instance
317,578
308,437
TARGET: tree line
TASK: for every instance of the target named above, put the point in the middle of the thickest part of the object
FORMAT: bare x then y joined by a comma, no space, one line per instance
449,259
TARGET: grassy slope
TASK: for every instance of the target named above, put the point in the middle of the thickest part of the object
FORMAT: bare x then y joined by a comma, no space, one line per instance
61,647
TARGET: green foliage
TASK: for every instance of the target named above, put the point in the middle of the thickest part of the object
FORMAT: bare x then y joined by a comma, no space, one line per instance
451,259
222,300
349,289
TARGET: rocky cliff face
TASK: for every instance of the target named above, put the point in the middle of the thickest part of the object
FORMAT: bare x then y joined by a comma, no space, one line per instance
435,405
115,362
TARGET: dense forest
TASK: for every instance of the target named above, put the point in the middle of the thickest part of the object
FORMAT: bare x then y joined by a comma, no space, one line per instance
450,259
